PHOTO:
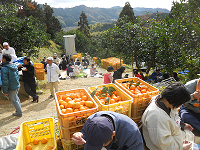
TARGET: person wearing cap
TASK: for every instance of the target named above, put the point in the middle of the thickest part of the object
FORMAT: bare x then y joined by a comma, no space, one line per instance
156,74
56,60
86,62
53,72
7,49
108,76
190,111
118,73
110,130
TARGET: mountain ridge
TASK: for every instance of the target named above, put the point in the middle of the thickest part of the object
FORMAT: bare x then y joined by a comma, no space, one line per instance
70,16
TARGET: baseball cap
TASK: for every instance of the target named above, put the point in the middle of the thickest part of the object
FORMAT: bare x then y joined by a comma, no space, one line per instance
99,131
50,58
54,54
5,43
110,68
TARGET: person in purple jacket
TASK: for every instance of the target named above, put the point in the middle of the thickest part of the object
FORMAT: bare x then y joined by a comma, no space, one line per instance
110,130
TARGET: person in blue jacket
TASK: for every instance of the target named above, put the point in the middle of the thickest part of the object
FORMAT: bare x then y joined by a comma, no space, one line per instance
110,130
10,82
156,74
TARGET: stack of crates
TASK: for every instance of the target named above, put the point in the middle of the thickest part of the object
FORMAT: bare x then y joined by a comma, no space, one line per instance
122,107
112,61
70,123
74,57
79,57
39,71
30,130
95,60
140,101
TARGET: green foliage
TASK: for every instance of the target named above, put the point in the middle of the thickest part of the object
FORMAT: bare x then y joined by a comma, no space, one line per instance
83,24
24,34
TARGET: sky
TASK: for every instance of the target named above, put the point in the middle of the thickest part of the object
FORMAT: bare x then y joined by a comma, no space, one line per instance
108,3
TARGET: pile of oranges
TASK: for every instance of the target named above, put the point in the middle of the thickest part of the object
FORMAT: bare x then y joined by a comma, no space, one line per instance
74,102
36,142
136,89
114,98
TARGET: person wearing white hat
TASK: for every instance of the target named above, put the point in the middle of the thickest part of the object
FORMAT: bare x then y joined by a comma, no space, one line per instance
53,72
56,60
7,49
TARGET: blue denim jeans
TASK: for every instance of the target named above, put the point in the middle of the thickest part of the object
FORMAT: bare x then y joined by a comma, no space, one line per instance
13,94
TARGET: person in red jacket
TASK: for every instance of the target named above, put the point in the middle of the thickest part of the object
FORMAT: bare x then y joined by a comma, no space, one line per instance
137,74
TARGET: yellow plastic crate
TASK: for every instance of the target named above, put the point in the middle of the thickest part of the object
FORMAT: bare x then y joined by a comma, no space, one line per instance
39,66
140,101
73,122
122,107
37,129
69,145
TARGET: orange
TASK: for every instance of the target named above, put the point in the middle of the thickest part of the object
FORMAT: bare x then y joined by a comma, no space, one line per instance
72,96
82,103
70,104
60,101
28,147
69,110
75,96
68,99
112,101
64,111
62,107
35,141
119,98
76,105
132,87
82,108
64,104
44,140
102,102
115,98
81,94
77,100
75,110
115,93
89,104
143,91
49,148
64,97
84,97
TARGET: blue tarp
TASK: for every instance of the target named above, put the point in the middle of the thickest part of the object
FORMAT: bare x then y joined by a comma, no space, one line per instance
184,72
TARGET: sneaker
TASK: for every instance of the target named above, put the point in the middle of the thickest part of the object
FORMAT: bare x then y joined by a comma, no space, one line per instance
15,114
51,96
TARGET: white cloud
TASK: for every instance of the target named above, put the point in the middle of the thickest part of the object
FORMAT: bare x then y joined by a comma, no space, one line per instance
108,3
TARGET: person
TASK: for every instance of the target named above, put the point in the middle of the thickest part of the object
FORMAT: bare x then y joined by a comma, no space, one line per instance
86,62
137,74
10,82
190,111
56,60
118,73
165,76
44,62
93,70
76,70
174,74
71,61
77,62
110,130
28,72
69,69
108,76
63,63
53,73
7,49
156,75
161,124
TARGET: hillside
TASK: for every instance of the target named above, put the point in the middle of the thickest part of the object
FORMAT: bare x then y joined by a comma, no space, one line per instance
70,16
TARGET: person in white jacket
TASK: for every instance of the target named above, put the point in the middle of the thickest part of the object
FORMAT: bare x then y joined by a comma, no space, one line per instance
7,49
161,128
53,72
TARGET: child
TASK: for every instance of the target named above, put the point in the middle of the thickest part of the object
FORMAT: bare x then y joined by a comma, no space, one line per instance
108,76
137,74
76,70
93,70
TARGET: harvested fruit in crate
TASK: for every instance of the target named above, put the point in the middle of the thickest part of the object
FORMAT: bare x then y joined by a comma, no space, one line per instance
28,147
44,141
107,95
74,102
35,141
136,87
49,148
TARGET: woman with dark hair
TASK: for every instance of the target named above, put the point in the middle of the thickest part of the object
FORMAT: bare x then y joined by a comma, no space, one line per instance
161,124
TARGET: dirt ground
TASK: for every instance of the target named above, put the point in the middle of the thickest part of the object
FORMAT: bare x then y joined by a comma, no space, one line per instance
46,106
